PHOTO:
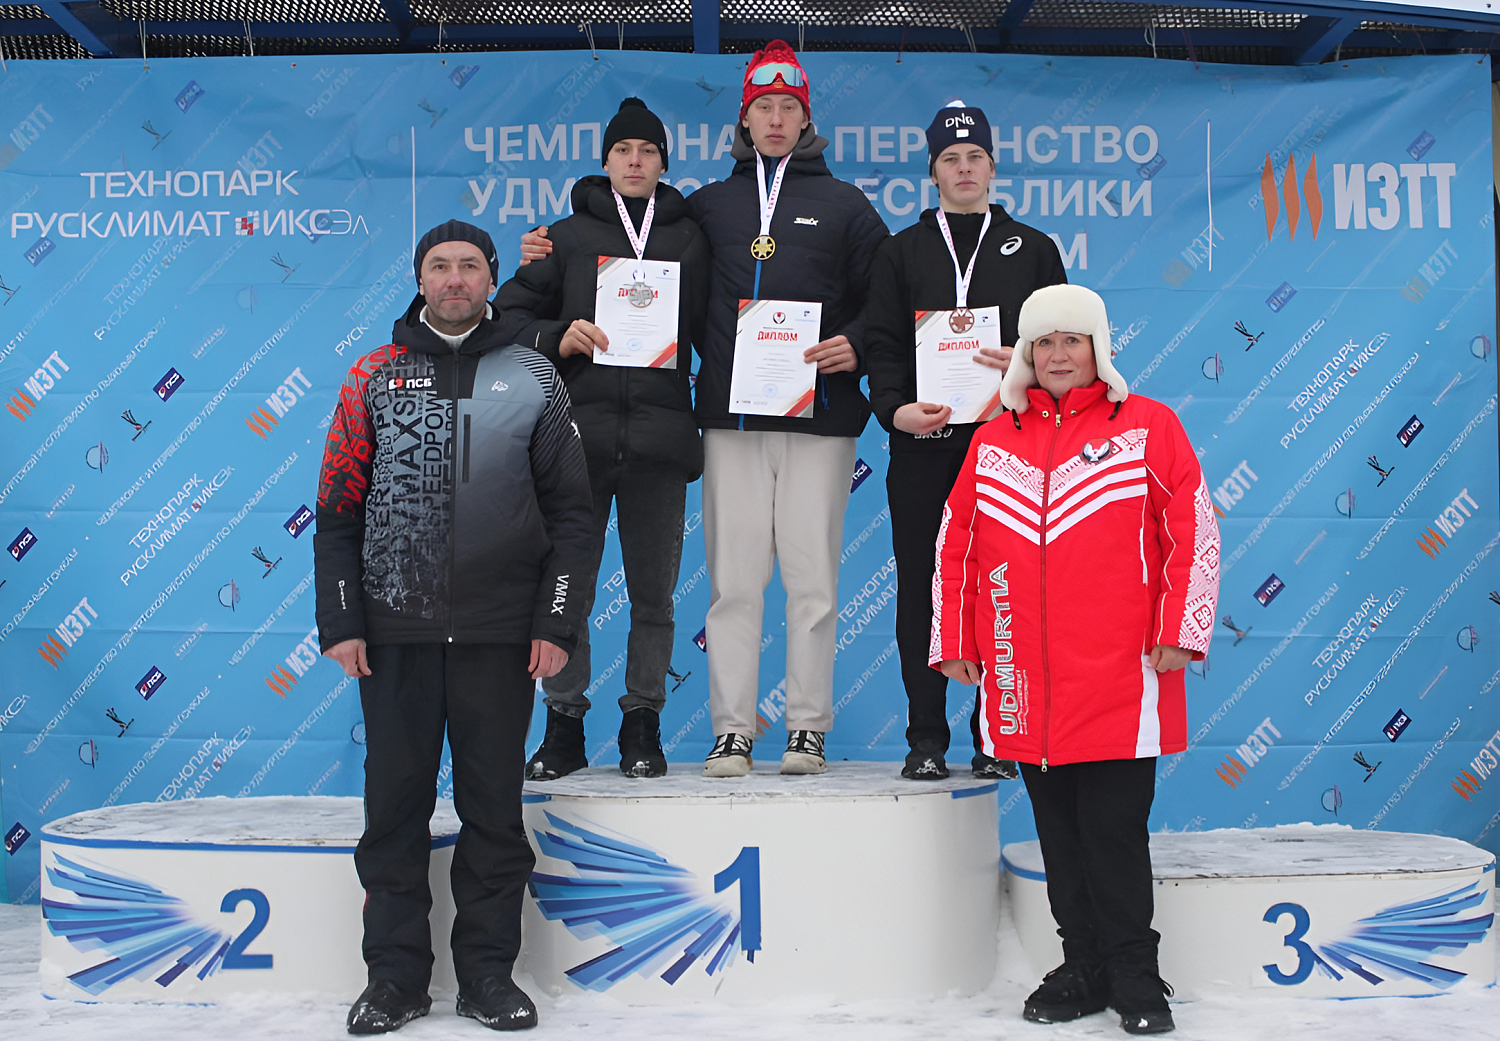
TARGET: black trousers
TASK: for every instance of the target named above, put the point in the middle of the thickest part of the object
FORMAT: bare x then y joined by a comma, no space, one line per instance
1091,820
482,695
917,485
649,506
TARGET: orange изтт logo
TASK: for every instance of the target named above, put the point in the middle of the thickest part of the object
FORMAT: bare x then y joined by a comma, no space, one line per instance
1288,192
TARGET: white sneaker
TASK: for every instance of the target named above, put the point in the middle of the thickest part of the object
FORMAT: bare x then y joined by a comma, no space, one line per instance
804,753
730,756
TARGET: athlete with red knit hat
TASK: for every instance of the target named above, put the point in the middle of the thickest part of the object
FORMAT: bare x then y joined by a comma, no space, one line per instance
781,227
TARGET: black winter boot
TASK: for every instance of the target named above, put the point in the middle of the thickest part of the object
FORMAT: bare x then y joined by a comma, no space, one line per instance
925,762
562,749
640,744
1141,1000
496,1002
1067,992
385,1006
994,769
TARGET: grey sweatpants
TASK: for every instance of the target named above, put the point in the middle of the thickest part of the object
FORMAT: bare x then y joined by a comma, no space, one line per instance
771,496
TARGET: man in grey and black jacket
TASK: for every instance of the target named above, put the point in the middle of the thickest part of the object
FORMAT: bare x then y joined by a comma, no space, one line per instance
637,423
453,514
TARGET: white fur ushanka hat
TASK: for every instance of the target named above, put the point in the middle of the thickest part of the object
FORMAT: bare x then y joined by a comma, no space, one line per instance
1051,309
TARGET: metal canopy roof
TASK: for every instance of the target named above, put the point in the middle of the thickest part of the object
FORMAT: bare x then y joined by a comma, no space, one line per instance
1276,32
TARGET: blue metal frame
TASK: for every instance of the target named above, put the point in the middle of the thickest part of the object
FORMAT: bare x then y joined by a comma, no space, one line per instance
1328,25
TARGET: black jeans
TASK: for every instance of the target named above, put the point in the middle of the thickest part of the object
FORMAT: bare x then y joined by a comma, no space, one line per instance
917,485
482,695
1091,820
649,503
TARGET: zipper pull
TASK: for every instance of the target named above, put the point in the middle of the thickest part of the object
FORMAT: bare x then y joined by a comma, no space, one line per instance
1044,764
1059,417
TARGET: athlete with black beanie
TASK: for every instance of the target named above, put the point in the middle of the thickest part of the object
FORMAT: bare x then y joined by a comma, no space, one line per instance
924,269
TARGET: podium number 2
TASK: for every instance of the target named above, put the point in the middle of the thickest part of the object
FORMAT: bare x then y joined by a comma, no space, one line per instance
746,871
235,957
1293,939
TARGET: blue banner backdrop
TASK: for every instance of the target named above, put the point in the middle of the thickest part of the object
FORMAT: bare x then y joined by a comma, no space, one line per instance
1299,260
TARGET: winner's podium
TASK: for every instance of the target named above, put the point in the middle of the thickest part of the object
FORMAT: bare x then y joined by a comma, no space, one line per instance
852,884
1314,910
193,900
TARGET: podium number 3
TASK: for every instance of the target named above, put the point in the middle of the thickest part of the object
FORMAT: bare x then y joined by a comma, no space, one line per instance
1293,939
746,871
235,957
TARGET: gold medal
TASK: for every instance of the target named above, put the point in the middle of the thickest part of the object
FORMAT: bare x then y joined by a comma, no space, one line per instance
763,247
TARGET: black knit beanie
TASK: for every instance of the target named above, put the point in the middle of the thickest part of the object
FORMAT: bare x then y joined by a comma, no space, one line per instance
635,120
958,124
457,231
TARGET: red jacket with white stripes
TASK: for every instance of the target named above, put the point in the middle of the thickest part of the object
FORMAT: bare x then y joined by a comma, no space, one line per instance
1069,548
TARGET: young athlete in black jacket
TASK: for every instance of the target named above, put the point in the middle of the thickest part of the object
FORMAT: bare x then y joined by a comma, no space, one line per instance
916,271
637,424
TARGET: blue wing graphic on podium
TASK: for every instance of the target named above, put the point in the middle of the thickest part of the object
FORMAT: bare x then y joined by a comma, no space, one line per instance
1394,941
656,913
137,926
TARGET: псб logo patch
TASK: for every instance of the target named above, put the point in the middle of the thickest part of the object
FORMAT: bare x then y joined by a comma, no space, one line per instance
1269,590
150,683
298,522
168,384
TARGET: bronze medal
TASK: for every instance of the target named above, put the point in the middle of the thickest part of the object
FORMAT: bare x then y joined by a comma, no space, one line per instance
763,247
961,320
640,295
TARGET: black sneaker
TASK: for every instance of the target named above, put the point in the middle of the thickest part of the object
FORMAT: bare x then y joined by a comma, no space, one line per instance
496,1002
1067,993
1141,1001
385,1006
994,769
640,744
925,763
562,749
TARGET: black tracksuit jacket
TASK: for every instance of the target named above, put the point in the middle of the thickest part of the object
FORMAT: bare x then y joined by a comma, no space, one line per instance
624,414
913,271
453,502
826,234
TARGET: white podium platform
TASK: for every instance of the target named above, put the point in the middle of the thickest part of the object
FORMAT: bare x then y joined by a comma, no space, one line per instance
189,901
1315,910
853,884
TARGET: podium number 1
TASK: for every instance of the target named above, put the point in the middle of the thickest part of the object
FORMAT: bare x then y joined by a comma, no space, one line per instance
746,871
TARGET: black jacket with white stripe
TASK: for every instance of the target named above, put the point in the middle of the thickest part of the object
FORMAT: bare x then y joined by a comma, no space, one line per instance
913,271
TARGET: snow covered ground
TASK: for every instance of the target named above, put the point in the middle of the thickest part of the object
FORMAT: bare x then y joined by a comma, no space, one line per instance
994,1015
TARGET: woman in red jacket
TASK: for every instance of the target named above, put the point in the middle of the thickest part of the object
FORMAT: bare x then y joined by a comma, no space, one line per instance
1077,574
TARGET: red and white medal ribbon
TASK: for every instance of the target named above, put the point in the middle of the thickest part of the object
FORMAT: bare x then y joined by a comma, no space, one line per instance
962,278
637,242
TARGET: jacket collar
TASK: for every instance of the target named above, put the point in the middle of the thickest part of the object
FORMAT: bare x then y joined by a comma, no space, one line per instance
1075,400
416,335
807,156
591,195
1000,217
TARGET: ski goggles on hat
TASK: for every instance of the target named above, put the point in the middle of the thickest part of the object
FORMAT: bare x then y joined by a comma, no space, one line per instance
765,75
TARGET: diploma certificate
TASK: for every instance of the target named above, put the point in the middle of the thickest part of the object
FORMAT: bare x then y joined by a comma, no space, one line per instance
769,377
947,374
635,303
